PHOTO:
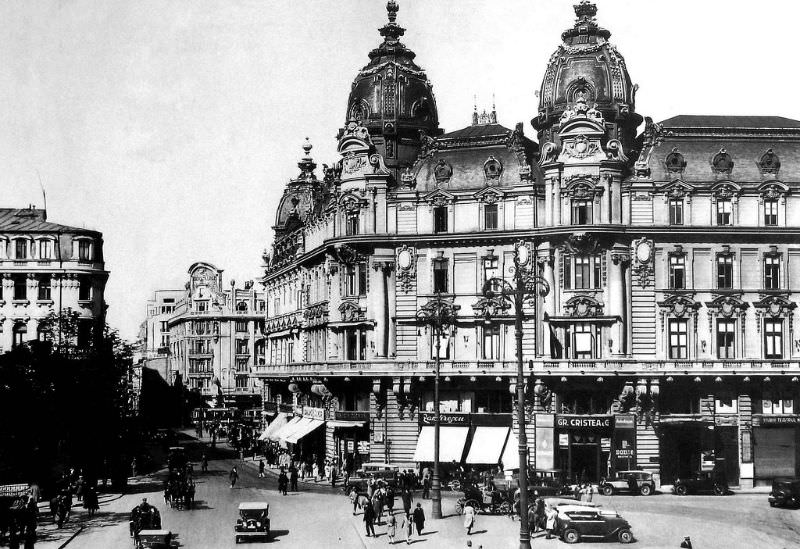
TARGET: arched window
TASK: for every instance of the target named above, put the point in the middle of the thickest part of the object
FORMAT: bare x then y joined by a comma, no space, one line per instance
20,333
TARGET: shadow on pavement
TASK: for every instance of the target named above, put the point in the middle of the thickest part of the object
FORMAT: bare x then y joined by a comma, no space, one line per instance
275,535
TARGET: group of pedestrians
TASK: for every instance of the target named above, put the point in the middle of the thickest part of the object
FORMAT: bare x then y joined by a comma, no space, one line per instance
407,523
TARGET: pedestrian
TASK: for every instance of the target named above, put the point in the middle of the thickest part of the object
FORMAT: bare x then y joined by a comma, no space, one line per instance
354,499
369,520
552,515
134,467
315,470
419,519
633,486
686,543
407,500
283,481
204,464
469,517
539,514
293,478
260,468
377,506
234,476
426,484
408,527
79,488
391,527
390,499
90,502
333,476
589,492
371,487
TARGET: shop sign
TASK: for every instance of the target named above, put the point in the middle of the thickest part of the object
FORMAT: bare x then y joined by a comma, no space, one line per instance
563,440
725,420
363,447
13,489
766,421
429,418
350,415
314,413
490,420
624,421
350,445
583,422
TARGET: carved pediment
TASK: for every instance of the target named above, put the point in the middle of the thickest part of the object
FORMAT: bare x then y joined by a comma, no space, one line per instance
727,305
351,312
439,197
583,306
726,189
677,189
490,195
679,305
774,306
772,190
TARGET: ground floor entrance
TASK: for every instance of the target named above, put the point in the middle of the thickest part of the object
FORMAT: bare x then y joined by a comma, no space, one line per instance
583,446
776,450
687,447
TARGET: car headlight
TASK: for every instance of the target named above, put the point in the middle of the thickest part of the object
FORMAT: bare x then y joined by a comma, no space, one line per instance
258,524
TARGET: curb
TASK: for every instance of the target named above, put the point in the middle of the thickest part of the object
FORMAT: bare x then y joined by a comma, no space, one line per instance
72,537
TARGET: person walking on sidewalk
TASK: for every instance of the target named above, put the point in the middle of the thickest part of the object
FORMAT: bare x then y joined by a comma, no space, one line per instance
419,519
391,527
260,468
204,464
293,478
408,527
407,500
369,520
469,518
234,476
283,481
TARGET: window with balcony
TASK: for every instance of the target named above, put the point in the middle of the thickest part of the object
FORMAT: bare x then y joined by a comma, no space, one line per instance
676,211
678,339
581,212
440,282
491,269
20,249
20,287
490,216
355,279
84,289
491,342
355,343
351,223
242,347
440,214
582,338
677,272
724,272
45,250
773,339
726,339
84,251
45,291
772,272
199,365
724,212
770,213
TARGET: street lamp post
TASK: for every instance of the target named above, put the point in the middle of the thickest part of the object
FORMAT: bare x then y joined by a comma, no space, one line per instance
440,314
500,296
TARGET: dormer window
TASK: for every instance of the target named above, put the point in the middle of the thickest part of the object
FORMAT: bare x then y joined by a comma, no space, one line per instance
45,249
770,213
490,216
20,249
84,251
676,211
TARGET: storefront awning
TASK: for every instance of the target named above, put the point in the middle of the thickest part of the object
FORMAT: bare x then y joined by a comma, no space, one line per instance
451,443
281,420
343,424
303,429
510,457
286,430
487,445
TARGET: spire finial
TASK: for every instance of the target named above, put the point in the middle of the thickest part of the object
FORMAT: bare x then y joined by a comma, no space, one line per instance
392,9
307,146
391,31
493,114
306,163
475,111
585,11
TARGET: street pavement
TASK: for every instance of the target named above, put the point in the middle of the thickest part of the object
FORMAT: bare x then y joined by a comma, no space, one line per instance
317,516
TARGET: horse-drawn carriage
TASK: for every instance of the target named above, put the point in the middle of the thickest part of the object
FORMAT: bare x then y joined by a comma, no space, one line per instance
484,499
144,518
179,487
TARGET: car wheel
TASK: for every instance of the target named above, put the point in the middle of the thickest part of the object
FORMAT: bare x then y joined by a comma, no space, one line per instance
681,490
571,536
625,536
719,490
646,490
238,540
772,504
608,490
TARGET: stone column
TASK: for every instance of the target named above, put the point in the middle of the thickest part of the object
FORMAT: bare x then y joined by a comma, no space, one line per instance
557,221
545,260
620,258
392,312
548,202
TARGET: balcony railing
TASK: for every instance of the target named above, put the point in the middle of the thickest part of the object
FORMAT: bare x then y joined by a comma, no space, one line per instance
544,367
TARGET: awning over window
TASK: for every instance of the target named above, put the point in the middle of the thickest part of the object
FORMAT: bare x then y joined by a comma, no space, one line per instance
510,457
487,445
344,424
277,423
451,443
303,429
286,430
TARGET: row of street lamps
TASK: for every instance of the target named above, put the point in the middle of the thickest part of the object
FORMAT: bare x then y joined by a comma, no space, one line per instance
499,295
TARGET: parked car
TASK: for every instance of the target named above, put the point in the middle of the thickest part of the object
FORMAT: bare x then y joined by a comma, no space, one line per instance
379,471
578,522
701,482
620,482
155,539
785,492
253,521
548,483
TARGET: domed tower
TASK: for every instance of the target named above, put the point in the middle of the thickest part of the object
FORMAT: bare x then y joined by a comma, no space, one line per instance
587,68
393,99
302,198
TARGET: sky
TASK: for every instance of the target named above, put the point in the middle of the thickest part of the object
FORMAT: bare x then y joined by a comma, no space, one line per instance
173,126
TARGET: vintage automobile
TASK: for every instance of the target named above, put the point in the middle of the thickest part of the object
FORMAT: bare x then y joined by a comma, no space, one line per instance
176,458
548,483
155,539
579,522
379,471
785,492
621,483
701,482
253,521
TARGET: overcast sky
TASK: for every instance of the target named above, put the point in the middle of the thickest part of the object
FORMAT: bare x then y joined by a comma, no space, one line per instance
172,126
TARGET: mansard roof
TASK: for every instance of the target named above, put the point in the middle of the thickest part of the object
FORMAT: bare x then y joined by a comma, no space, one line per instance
35,221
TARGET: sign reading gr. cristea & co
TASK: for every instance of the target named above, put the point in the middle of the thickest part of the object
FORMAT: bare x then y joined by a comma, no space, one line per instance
583,422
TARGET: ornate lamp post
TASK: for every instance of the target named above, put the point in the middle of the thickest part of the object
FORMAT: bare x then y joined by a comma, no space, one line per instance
440,314
500,295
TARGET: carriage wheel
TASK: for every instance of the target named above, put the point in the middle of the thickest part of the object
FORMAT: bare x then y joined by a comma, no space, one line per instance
505,508
460,506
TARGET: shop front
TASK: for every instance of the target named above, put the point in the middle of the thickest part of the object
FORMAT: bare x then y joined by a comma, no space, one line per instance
584,445
303,435
776,451
350,438
702,443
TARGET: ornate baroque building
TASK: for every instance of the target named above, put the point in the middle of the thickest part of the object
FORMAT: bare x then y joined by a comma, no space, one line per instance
672,252
48,268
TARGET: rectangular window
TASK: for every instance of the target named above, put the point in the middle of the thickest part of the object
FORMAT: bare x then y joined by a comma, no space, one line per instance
84,250
772,272
242,347
242,365
582,272
678,342
355,342
20,287
164,326
771,213
581,212
444,349
84,333
355,279
490,271
45,249
241,326
351,223
773,339
45,292
726,338
20,249
242,382
583,341
85,290
567,262
201,306
490,216
596,274
724,272
677,272
724,209
491,341
440,219
440,277
676,211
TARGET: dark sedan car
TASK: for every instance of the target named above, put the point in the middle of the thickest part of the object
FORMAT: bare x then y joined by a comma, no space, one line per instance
578,522
702,482
785,492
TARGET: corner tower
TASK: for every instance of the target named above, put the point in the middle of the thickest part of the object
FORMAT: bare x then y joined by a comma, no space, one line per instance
392,97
